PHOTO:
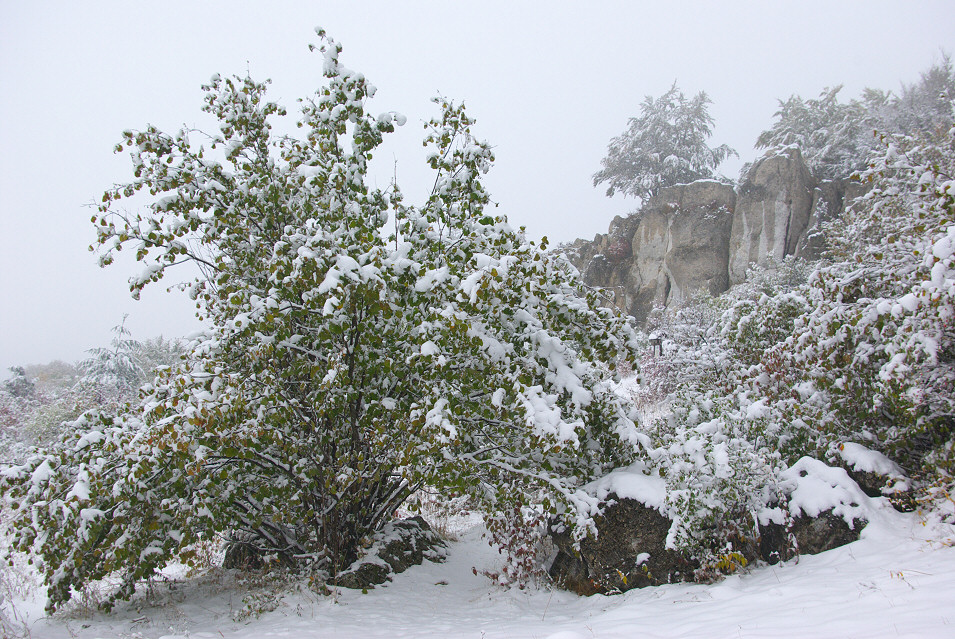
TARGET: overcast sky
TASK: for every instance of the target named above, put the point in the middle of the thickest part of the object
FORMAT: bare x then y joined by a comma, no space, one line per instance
549,83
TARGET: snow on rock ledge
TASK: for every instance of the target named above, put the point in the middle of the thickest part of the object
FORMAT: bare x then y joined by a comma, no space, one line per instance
822,508
875,473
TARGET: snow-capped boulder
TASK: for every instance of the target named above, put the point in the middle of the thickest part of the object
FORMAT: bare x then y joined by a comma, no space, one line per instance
823,508
395,548
876,474
629,551
806,536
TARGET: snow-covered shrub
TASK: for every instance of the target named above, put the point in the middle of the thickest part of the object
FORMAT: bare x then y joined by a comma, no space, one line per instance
681,357
11,625
38,419
348,362
265,590
886,314
19,384
726,421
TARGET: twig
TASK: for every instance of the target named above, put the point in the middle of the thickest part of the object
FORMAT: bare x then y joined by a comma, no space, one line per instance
548,605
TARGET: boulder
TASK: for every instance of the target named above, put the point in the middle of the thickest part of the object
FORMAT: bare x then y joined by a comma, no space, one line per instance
876,474
806,536
697,257
825,508
364,577
628,552
706,234
395,548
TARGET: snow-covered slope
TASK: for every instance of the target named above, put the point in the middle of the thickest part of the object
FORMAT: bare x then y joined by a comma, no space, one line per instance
898,580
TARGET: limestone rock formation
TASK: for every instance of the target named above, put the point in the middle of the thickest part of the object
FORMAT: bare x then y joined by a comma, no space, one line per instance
772,212
674,246
706,234
827,202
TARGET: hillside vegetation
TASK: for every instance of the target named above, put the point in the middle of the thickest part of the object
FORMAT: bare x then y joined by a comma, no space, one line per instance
361,350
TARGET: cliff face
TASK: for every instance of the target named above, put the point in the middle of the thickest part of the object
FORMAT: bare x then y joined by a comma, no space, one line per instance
671,247
775,201
705,235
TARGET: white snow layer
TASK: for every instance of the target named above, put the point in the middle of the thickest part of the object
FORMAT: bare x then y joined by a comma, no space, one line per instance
633,482
864,460
813,488
898,580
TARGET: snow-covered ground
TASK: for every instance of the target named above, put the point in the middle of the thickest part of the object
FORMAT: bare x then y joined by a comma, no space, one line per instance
898,580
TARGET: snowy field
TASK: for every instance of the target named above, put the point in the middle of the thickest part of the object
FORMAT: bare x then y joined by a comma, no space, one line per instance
897,581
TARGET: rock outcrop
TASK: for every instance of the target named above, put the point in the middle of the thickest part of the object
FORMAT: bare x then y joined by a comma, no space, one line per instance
398,546
674,245
773,208
629,550
705,235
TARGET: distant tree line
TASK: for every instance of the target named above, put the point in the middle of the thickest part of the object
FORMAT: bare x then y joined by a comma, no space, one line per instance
39,401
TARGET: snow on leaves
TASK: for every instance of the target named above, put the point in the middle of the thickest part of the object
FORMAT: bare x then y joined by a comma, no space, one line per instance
344,366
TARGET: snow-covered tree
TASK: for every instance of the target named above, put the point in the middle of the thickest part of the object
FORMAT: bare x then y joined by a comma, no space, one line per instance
345,364
115,369
114,374
19,385
923,107
665,145
835,138
60,392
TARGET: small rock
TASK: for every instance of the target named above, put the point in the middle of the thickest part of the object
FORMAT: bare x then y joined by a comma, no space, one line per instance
806,536
395,548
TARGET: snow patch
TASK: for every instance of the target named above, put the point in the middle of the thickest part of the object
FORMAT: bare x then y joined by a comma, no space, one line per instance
814,488
636,482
